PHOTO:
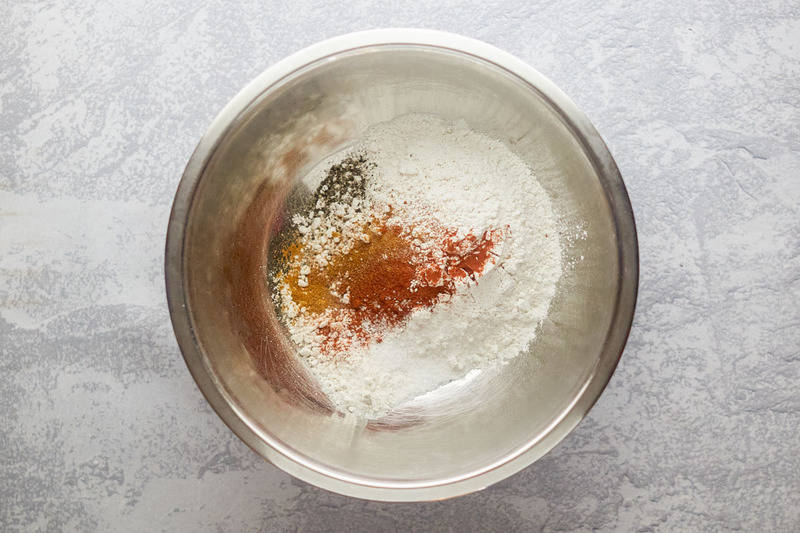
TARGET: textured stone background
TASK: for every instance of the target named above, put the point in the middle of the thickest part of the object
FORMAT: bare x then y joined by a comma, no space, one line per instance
102,428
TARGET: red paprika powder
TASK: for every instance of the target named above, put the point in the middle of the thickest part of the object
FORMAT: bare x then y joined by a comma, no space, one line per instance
382,279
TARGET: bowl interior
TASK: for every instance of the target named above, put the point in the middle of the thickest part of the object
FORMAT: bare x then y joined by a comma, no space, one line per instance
238,204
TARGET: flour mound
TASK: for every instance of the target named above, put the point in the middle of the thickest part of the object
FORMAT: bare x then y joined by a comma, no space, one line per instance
427,168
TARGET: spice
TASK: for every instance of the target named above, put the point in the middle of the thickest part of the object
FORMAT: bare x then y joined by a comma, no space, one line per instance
343,182
382,278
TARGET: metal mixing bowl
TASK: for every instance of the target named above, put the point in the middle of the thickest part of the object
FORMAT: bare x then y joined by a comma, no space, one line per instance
230,203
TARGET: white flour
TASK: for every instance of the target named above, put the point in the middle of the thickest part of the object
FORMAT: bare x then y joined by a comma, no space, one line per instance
426,167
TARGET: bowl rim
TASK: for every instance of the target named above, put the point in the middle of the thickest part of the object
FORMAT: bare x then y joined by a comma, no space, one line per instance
301,466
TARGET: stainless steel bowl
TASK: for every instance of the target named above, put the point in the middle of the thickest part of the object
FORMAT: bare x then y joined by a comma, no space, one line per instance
229,204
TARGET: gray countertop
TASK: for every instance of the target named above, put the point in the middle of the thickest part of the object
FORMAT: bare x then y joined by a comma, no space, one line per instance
104,429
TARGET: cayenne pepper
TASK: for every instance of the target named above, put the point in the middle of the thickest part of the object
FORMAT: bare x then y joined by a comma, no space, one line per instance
383,278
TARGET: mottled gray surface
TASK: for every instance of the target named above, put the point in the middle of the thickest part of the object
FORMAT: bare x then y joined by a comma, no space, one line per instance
102,426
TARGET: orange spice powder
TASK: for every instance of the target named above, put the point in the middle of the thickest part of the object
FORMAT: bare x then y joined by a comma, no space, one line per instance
381,279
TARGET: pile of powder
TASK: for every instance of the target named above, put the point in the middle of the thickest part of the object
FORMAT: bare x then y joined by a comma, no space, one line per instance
430,251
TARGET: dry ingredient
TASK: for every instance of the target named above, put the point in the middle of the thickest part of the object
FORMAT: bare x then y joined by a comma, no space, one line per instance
385,275
427,252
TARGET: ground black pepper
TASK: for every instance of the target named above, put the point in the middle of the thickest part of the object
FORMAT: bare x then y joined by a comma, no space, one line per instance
343,182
